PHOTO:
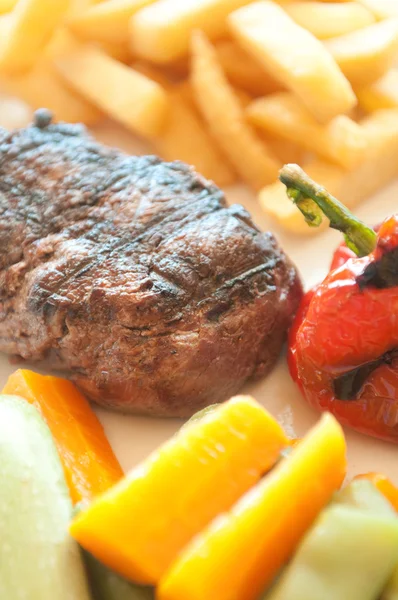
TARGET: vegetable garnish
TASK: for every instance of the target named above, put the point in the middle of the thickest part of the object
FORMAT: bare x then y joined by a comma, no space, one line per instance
140,525
38,558
332,562
88,460
344,340
314,201
384,485
241,551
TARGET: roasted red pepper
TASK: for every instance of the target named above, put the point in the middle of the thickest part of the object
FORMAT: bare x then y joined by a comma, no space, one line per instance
343,345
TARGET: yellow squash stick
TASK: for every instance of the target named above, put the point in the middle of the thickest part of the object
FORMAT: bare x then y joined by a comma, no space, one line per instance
241,552
7,5
139,526
89,463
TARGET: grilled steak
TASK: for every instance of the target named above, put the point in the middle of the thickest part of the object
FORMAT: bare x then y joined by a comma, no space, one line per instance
132,275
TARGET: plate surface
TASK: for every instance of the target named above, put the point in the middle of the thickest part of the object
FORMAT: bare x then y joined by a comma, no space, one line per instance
134,437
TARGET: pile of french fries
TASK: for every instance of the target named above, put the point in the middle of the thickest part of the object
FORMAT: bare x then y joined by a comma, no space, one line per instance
236,88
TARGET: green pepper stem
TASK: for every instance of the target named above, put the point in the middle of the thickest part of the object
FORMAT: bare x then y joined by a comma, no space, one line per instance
314,201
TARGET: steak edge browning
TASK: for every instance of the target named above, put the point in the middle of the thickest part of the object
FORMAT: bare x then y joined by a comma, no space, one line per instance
132,275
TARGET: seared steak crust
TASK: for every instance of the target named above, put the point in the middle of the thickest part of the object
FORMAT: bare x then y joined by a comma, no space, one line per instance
132,275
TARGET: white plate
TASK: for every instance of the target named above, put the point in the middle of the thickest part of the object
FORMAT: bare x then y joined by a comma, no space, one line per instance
134,437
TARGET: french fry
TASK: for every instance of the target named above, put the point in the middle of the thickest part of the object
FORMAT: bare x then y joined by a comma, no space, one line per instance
330,20
42,86
381,94
62,43
285,151
243,72
382,9
32,25
5,27
222,111
244,98
121,92
120,52
7,5
294,57
351,187
161,32
341,140
179,69
365,55
176,142
107,21
184,125
77,6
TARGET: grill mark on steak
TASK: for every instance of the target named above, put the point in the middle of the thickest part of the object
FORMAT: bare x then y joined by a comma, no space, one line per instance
132,275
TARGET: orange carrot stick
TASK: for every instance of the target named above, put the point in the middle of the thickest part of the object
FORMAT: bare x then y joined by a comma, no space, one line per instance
89,463
384,485
241,552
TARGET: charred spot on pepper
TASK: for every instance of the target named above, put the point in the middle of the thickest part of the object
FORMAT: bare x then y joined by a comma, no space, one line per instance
382,273
348,385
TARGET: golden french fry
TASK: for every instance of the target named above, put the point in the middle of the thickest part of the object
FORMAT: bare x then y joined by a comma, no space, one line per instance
330,20
43,87
294,57
77,6
244,98
222,111
185,138
178,69
382,9
351,187
243,72
365,55
341,140
7,5
124,94
381,94
107,21
32,26
5,27
285,150
161,33
153,73
119,52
